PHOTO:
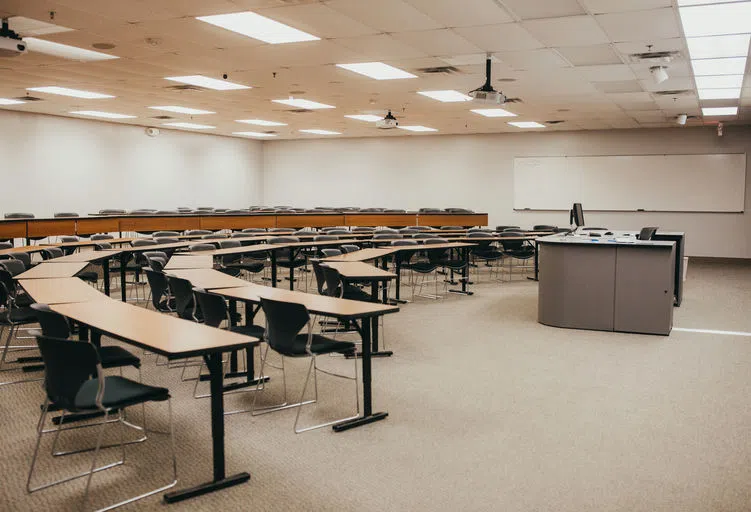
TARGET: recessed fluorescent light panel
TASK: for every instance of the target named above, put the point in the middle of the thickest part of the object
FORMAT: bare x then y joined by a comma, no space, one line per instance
261,122
716,19
682,3
715,47
300,103
417,128
104,115
254,134
320,132
377,70
7,101
719,82
209,83
446,96
191,126
258,27
493,112
75,93
183,110
719,111
527,124
729,66
365,117
65,51
719,94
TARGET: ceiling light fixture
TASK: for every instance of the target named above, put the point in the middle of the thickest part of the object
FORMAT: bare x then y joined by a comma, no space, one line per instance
716,19
8,101
191,126
527,124
300,103
209,83
719,94
254,134
493,112
719,111
726,66
448,96
260,122
258,27
320,132
75,93
65,51
377,70
715,47
719,82
417,128
183,110
364,117
659,74
104,115
681,119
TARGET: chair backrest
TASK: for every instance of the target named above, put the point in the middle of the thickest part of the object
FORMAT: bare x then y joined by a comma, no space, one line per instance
430,210
6,245
504,228
198,232
68,365
333,281
213,236
241,235
424,235
280,230
51,253
284,320
165,233
102,236
363,229
69,239
182,291
283,240
229,244
347,248
382,231
142,242
388,236
397,243
52,323
23,257
452,228
395,210
436,255
254,230
19,215
305,232
166,212
408,231
544,227
320,279
166,240
480,230
325,238
112,211
372,210
338,232
8,286
213,307
511,245
238,211
158,284
594,229
155,254
201,247
65,214
330,251
335,228
13,266
102,246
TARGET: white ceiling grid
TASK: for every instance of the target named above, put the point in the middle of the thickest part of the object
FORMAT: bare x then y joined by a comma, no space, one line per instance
566,60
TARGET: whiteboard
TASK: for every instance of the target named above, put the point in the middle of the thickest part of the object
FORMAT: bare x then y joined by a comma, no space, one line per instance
675,183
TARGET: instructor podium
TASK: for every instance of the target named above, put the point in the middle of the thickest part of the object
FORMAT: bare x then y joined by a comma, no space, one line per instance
606,285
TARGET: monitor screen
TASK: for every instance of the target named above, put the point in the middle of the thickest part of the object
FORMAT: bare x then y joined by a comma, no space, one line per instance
577,215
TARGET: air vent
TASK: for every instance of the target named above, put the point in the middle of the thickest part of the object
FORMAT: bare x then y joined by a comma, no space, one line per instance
506,80
678,92
655,57
162,117
446,70
186,87
299,111
514,100
28,98
555,121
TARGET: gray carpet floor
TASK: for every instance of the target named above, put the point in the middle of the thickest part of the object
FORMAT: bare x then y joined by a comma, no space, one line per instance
488,411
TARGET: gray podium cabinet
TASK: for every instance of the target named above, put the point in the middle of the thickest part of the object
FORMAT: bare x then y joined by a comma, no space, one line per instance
606,285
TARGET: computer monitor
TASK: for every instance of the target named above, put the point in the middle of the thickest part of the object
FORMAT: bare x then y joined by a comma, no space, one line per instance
647,233
576,215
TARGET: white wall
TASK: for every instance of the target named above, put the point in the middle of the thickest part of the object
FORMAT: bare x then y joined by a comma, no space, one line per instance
52,164
476,171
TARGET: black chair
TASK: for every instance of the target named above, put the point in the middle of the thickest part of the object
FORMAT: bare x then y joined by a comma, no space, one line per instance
160,293
75,383
156,259
434,259
112,211
363,229
234,262
165,240
285,322
330,252
521,250
58,215
484,252
5,245
452,228
201,247
254,230
172,234
504,228
594,229
15,267
544,227
67,240
423,235
283,258
185,304
19,215
89,276
13,316
198,232
23,257
347,248
101,236
335,287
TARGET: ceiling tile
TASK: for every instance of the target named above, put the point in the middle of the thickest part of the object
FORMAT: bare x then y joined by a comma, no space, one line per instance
385,15
533,9
649,116
607,6
675,83
592,55
437,42
657,45
606,73
624,86
640,25
532,59
380,47
319,20
569,31
499,38
466,13
638,105
630,97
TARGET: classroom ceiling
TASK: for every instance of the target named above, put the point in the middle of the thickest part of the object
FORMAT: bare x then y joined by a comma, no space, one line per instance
569,62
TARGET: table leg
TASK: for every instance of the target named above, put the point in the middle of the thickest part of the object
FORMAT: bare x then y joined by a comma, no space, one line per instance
537,262
123,261
368,415
220,481
375,352
106,276
291,269
273,268
465,273
398,283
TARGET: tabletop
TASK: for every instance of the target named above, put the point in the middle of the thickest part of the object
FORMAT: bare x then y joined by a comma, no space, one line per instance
189,261
363,254
47,270
61,290
359,270
207,278
87,256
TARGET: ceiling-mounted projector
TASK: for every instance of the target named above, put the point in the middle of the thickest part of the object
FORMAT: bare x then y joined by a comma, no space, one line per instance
387,122
11,45
486,93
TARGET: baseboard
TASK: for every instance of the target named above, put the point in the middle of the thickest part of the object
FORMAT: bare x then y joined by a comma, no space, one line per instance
726,261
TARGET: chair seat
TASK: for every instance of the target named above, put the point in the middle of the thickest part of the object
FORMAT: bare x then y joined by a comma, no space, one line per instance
250,267
231,271
320,345
114,357
166,305
118,392
453,264
489,254
287,263
23,300
18,316
91,277
523,253
423,267
355,293
249,330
